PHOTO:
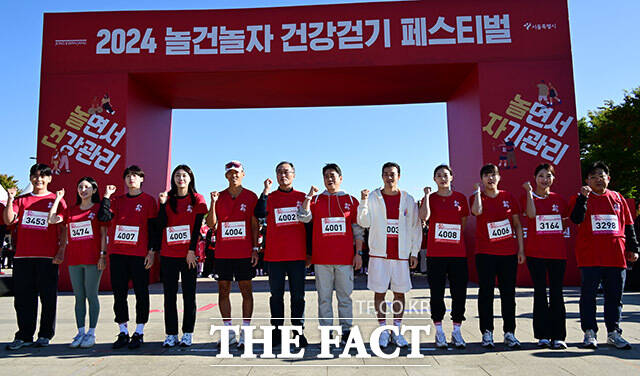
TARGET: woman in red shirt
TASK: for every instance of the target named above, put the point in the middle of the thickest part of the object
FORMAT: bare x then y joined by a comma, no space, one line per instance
546,253
179,220
87,239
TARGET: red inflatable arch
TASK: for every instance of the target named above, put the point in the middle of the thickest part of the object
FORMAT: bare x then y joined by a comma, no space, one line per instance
110,80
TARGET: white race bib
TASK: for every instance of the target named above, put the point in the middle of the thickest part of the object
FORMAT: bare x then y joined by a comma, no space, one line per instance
81,230
286,216
447,233
392,228
35,220
499,230
178,235
604,224
334,226
126,235
233,230
548,224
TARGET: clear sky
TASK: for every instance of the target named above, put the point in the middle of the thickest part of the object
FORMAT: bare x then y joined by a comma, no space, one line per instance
606,51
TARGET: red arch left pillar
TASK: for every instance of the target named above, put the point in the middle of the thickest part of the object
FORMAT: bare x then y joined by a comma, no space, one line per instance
84,137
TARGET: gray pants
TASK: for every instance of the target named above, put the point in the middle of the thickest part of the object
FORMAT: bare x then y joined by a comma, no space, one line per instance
85,280
340,279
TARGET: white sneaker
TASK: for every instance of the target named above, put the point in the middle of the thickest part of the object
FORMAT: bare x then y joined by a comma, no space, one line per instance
232,338
384,338
557,344
441,340
88,341
187,339
241,340
457,341
487,339
615,339
399,340
77,340
544,343
511,341
590,340
170,341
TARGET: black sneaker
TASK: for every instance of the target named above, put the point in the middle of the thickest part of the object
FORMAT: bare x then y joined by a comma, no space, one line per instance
302,340
136,341
344,337
276,338
122,341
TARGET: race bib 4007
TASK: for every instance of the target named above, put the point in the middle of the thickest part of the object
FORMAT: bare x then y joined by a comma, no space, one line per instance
126,235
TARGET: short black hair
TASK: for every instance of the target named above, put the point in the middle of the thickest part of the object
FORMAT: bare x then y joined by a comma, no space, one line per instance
391,164
331,166
283,163
489,168
599,165
440,167
40,169
133,169
544,166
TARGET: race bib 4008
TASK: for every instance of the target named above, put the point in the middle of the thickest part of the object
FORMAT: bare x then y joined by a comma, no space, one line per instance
447,233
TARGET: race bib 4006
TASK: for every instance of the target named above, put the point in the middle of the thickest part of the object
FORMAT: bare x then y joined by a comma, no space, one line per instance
499,230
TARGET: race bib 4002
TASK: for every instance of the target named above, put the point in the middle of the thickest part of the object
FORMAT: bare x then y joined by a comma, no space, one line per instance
447,233
80,230
286,216
178,235
333,226
233,230
35,220
126,235
499,230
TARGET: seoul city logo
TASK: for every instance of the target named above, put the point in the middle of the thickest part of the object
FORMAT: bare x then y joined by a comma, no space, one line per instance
243,208
456,203
139,207
616,206
347,206
555,208
50,205
189,208
506,204
92,215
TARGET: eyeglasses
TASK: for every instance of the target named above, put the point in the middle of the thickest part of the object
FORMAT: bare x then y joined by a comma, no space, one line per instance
284,172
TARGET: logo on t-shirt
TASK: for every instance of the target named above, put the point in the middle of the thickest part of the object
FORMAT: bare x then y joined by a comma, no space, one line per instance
616,206
456,203
189,208
506,204
50,205
92,215
139,207
243,207
555,208
347,206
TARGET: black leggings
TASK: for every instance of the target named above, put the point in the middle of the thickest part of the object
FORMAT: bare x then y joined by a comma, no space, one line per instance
125,268
172,268
505,268
548,316
455,269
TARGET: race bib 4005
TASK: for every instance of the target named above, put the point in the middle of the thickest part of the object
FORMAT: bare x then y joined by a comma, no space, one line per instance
178,235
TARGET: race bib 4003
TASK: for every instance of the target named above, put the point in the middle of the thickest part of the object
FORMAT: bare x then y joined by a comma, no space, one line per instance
126,235
499,230
178,235
334,226
233,230
80,230
447,233
392,228
35,220
604,224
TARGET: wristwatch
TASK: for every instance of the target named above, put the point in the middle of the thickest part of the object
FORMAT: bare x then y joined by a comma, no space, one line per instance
103,253
360,253
256,249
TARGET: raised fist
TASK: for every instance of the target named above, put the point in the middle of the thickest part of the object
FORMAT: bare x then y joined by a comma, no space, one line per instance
585,190
313,190
163,197
214,196
267,184
12,192
60,194
364,194
527,186
111,189
476,187
427,191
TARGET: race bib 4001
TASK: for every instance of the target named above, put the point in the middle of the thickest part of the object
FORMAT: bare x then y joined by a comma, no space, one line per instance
334,226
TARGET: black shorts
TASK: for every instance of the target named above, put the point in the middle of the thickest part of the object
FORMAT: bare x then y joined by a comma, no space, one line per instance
233,269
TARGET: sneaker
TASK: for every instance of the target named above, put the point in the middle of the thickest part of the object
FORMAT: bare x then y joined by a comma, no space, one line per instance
544,343
77,340
137,340
232,339
42,342
170,341
276,338
511,341
187,339
441,340
302,340
344,337
487,339
590,340
399,340
88,340
457,341
615,339
385,338
558,344
122,341
18,344
241,340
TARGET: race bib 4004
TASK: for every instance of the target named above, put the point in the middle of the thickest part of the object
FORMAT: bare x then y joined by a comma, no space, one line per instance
286,216
334,226
233,230
604,224
126,235
35,220
80,230
447,233
178,235
499,230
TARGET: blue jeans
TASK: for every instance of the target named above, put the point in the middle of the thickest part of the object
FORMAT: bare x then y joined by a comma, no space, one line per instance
612,283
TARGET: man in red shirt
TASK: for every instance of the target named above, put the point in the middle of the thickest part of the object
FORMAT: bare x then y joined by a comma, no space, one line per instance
335,227
39,250
131,254
606,241
232,215
285,248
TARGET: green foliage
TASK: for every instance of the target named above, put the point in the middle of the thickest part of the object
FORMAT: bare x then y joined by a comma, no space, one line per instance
612,135
8,181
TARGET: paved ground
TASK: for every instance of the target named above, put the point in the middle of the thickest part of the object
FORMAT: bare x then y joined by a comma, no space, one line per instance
152,359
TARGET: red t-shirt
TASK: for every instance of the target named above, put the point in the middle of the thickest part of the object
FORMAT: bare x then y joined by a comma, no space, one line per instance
128,232
35,237
392,205
234,235
286,236
446,238
601,240
545,237
333,217
83,235
179,225
495,234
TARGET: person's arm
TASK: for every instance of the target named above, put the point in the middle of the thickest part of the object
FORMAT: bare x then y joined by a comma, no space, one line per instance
304,212
255,232
358,236
261,207
10,216
212,219
476,208
464,224
520,237
580,209
425,209
531,206
364,218
631,243
102,261
54,218
104,213
415,228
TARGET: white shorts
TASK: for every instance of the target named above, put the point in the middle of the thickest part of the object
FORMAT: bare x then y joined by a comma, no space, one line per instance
383,272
